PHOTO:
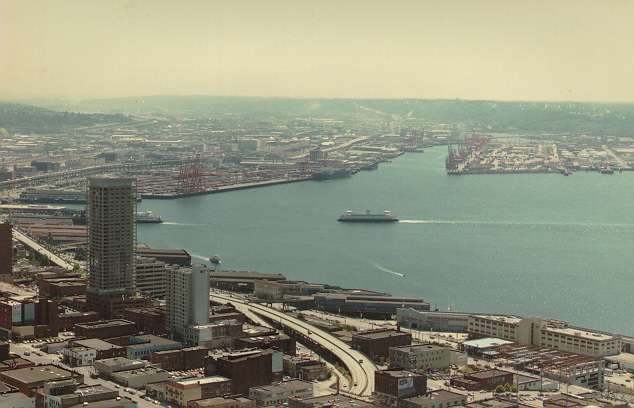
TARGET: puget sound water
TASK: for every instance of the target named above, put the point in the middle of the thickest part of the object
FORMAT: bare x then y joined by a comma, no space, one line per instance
526,244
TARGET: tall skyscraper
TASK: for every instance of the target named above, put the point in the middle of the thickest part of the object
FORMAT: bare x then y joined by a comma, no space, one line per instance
187,300
6,252
111,208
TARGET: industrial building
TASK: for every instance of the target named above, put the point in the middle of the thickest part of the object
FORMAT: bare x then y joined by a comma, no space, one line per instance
370,305
437,321
420,356
570,368
550,333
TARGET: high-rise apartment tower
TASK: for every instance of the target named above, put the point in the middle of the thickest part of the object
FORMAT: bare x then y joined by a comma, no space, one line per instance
6,252
111,207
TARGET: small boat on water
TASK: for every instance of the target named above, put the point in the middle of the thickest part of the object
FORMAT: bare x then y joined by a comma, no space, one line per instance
214,259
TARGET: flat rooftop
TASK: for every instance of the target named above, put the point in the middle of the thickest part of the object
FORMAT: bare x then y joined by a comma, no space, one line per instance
111,403
150,341
246,275
340,401
170,252
96,344
286,385
40,373
496,403
135,372
103,324
118,361
420,347
380,334
201,381
488,373
502,319
435,396
398,373
582,334
485,342
212,402
622,358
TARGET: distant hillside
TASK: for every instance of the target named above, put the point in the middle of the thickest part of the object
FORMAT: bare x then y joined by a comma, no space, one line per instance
488,116
491,116
209,106
529,117
17,117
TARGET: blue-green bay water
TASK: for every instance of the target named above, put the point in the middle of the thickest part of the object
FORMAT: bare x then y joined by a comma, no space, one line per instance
527,244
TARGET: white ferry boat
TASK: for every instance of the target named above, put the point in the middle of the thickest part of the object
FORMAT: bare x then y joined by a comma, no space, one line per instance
147,217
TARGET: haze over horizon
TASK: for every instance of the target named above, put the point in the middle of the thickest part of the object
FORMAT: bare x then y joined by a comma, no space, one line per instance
486,50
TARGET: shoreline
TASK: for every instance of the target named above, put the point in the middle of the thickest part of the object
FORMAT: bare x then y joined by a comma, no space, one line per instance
224,189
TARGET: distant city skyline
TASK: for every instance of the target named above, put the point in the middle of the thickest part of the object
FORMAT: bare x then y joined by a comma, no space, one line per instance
493,50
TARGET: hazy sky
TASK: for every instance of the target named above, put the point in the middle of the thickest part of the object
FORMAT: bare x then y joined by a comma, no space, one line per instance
518,50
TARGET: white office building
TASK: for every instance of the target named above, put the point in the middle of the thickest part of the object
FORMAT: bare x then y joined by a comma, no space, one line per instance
187,299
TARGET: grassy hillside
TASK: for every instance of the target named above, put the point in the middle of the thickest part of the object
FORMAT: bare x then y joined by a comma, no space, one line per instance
30,119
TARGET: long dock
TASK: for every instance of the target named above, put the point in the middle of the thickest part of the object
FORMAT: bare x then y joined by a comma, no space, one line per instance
222,189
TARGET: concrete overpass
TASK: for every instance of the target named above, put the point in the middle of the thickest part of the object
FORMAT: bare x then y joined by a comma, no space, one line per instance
360,367
24,239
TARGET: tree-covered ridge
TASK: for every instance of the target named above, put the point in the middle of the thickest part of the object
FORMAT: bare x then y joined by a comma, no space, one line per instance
488,116
491,116
16,117
531,117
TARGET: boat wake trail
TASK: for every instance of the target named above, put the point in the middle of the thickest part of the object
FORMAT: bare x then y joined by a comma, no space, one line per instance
520,224
206,259
186,224
381,268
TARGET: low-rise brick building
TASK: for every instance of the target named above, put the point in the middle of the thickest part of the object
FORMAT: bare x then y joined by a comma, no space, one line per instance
235,401
247,368
103,348
304,368
180,360
483,380
434,399
147,319
280,341
390,386
104,329
182,391
376,343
